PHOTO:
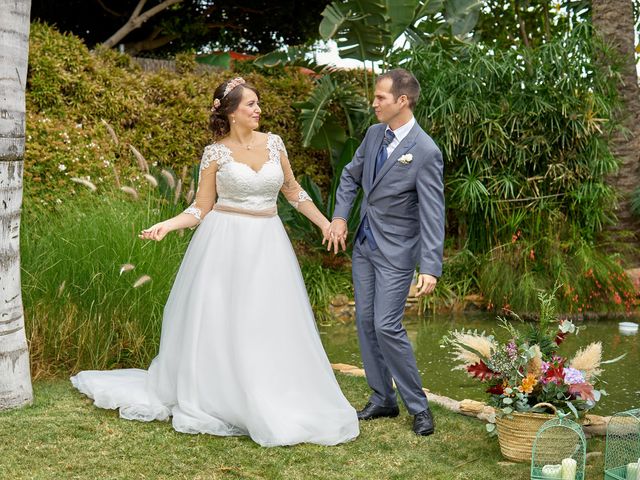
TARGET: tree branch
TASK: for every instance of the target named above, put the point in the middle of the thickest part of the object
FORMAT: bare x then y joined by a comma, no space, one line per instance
137,20
150,43
138,8
108,10
523,29
547,27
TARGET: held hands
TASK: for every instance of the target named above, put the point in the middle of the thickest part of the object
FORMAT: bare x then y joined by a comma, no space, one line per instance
426,284
335,235
156,232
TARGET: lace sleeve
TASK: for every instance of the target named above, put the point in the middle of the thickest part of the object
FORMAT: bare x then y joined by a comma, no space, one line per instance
206,193
291,189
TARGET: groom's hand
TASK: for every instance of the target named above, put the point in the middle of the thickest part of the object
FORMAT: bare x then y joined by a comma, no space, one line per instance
426,284
336,235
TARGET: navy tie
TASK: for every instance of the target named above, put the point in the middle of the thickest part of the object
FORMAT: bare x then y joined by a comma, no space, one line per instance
382,154
364,232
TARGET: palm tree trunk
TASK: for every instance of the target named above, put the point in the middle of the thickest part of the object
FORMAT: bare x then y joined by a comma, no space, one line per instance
15,377
614,22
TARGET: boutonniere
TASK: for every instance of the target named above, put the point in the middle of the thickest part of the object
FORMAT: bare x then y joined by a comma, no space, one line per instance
406,159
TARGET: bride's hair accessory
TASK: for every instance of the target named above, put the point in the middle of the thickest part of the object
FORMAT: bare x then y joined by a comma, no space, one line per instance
236,82
233,84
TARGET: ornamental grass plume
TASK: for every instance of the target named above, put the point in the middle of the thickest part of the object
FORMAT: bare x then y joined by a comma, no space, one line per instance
151,179
85,182
141,281
111,131
588,360
480,343
142,163
131,191
178,192
169,178
127,267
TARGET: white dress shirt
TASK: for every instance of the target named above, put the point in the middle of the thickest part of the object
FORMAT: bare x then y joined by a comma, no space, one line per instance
399,133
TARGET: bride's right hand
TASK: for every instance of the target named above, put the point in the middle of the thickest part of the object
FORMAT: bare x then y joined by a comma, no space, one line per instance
156,232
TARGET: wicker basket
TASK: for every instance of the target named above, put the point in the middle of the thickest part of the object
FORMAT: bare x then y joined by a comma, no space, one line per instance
517,432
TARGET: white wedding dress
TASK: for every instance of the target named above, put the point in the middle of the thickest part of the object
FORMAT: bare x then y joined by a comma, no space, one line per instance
239,352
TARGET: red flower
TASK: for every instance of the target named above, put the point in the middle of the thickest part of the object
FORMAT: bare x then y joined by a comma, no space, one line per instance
496,389
555,374
560,336
481,371
584,390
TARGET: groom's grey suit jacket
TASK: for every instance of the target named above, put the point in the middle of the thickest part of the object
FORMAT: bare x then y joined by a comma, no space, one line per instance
405,202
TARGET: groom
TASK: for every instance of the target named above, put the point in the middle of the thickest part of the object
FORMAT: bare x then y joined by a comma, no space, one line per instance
399,168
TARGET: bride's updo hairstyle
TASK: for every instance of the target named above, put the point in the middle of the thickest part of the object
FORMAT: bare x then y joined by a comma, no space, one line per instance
226,99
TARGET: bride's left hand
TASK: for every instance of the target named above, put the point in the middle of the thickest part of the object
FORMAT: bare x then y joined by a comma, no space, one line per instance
156,232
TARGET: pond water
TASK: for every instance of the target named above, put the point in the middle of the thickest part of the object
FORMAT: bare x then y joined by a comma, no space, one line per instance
435,365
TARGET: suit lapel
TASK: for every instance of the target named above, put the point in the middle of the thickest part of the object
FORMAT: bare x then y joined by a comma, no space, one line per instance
377,142
404,146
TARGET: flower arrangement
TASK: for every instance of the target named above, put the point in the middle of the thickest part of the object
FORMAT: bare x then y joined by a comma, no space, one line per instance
527,368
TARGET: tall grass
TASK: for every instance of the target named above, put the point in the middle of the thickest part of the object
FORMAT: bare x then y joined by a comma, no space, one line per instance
323,284
82,308
81,311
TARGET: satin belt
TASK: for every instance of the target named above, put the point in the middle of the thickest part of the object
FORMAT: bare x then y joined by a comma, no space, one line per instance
269,212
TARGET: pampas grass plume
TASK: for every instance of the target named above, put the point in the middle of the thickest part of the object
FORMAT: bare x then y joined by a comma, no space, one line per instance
588,360
481,343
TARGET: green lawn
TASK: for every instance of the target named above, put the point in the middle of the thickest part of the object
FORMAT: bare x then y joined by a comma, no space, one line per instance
64,436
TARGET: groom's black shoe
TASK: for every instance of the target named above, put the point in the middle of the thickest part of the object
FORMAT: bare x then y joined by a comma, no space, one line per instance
423,423
371,411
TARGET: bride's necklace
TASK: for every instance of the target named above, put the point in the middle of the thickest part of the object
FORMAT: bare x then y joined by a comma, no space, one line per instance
249,145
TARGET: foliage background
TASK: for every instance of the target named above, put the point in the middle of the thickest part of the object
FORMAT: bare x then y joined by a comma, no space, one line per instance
522,134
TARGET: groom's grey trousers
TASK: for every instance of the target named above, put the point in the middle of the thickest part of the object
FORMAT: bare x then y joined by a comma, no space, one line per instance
380,293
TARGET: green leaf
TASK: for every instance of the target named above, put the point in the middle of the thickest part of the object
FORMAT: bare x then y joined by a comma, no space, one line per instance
400,14
613,360
346,155
314,110
333,18
490,427
358,28
462,15
330,136
573,409
507,410
222,60
507,401
428,8
298,56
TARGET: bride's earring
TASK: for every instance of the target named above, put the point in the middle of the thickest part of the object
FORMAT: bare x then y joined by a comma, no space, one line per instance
233,119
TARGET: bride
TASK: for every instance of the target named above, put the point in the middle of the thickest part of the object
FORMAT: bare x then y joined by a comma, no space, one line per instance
239,352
